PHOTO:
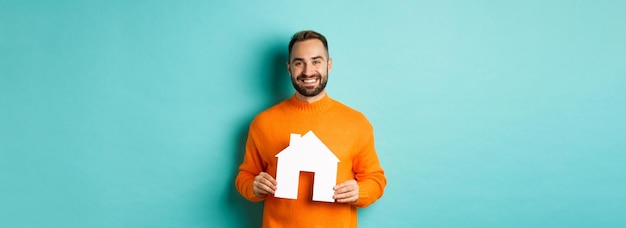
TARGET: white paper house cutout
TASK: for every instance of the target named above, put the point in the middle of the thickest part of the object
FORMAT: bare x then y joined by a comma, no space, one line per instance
306,153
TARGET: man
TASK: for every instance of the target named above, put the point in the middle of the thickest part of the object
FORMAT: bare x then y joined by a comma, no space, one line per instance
346,132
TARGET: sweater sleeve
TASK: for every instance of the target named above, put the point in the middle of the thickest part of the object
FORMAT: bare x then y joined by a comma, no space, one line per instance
369,174
251,166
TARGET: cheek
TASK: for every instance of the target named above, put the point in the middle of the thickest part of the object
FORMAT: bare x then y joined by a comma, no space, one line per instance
295,71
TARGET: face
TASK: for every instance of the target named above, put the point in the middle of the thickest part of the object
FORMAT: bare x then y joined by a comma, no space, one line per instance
309,66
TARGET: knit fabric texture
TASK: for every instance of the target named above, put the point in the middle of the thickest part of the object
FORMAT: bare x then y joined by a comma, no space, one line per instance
345,131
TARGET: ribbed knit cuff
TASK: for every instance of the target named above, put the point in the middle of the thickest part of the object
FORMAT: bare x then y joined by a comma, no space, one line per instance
364,196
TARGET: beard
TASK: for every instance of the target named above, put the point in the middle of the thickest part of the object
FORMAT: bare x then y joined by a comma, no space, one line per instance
309,91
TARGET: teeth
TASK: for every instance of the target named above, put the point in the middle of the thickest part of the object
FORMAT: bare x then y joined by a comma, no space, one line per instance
309,80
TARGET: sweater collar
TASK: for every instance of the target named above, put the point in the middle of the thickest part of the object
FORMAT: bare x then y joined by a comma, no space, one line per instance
315,107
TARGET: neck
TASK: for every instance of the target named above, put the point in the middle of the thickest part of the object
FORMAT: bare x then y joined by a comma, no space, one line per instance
311,99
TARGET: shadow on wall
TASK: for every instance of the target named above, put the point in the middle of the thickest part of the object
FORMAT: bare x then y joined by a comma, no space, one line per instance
279,85
278,88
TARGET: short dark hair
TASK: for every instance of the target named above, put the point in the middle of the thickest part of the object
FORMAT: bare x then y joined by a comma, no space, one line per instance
307,35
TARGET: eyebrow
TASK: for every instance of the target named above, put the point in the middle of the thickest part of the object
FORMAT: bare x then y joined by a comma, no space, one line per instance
302,59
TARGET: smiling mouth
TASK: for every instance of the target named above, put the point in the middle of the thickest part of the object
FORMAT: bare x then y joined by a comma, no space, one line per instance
312,81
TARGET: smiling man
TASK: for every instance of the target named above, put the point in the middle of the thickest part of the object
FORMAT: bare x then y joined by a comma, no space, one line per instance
345,131
309,65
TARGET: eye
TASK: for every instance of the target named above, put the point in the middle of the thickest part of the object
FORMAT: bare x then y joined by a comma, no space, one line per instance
316,62
297,63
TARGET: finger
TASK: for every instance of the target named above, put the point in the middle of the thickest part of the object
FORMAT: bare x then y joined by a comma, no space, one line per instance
346,188
258,191
345,183
347,200
344,193
346,197
261,189
343,189
270,181
341,185
266,189
270,188
266,182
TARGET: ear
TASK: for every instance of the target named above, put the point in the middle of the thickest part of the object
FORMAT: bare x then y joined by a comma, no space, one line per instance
330,64
288,68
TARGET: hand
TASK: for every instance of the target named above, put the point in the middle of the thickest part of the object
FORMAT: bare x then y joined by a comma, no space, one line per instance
346,192
263,184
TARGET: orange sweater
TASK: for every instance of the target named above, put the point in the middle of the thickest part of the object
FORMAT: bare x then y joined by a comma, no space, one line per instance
346,132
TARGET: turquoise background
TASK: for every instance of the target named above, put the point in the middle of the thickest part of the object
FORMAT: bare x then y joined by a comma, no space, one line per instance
486,113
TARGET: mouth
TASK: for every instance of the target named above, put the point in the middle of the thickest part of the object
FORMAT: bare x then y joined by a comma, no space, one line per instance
310,81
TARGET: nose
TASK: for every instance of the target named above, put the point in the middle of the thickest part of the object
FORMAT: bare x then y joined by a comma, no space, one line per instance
308,70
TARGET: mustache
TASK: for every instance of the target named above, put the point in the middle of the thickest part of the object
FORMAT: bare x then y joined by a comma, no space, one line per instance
302,76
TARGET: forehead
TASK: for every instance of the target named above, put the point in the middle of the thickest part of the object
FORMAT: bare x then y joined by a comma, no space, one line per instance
308,49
